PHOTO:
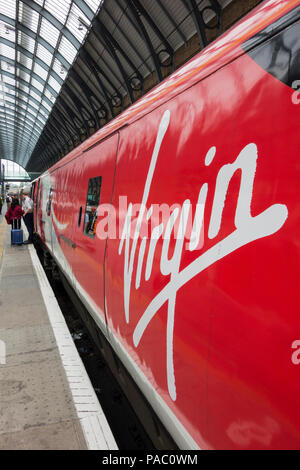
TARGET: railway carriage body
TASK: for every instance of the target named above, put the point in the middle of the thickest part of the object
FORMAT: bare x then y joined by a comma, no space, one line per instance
177,225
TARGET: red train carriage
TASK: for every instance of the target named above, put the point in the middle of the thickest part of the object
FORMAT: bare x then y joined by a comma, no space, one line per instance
177,227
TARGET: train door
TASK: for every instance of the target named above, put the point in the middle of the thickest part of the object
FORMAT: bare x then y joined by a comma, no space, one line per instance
63,213
93,176
36,202
39,211
44,213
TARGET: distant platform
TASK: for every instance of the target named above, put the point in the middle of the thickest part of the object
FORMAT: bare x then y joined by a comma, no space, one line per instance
46,398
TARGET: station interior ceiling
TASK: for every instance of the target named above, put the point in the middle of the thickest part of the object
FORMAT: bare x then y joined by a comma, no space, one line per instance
70,66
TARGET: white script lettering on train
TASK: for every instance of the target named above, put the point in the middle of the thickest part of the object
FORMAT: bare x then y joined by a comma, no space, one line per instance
248,229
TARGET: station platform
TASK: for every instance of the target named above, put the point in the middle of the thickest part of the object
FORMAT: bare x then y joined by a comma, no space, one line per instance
46,398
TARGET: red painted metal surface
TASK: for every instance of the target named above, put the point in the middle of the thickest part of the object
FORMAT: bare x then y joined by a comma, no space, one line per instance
208,326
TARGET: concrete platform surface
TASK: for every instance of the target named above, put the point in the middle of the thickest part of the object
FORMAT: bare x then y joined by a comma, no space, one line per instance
41,405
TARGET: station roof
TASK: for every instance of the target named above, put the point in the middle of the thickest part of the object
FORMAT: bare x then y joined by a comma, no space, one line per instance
69,66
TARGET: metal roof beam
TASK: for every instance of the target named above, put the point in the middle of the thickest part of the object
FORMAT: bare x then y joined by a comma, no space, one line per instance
9,118
79,106
94,68
170,18
54,21
198,21
71,129
142,11
127,38
72,117
143,32
105,38
39,40
87,93
21,114
38,92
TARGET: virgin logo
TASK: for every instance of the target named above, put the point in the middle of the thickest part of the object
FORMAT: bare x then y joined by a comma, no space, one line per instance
248,229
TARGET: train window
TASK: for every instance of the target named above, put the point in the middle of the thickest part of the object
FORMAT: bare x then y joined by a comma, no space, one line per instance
91,208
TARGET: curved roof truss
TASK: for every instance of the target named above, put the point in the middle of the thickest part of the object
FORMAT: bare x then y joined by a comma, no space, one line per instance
39,41
69,66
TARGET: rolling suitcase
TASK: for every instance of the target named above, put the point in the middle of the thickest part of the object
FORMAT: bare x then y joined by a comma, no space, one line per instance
16,233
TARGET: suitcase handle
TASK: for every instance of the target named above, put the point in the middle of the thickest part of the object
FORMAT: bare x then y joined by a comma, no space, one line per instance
14,224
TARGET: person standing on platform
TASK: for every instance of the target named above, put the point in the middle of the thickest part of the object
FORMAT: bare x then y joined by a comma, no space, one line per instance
14,214
27,207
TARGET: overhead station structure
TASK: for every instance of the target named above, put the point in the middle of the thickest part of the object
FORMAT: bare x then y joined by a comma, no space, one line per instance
68,67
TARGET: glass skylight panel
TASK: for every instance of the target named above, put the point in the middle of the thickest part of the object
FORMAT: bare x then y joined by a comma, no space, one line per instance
34,95
67,49
28,17
46,105
7,31
32,103
58,9
2,30
48,94
54,84
77,23
3,65
38,123
41,111
39,2
10,81
44,54
93,4
24,75
24,87
26,41
49,32
59,68
11,99
8,8
10,68
24,60
42,117
25,96
40,71
20,111
37,84
7,51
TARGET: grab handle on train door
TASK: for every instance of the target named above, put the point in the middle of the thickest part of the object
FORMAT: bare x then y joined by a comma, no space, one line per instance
79,217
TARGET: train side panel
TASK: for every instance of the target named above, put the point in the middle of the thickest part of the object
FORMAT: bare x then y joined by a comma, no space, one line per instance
199,302
211,321
253,383
73,195
61,209
93,183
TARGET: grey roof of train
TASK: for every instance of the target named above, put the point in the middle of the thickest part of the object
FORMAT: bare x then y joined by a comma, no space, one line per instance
68,66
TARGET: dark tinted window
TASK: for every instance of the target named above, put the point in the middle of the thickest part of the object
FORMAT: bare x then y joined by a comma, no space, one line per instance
277,48
91,208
